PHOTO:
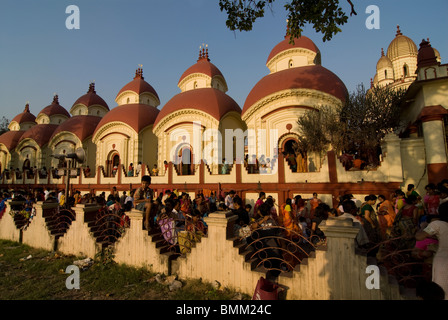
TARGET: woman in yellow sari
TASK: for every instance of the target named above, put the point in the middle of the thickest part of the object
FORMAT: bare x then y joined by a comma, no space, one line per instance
289,221
386,215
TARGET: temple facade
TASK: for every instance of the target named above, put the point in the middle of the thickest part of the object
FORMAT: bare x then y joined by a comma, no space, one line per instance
201,139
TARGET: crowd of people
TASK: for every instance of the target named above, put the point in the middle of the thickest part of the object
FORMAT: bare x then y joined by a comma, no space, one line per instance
406,222
418,223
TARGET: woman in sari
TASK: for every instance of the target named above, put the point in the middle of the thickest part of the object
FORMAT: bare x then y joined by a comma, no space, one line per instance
288,218
369,219
399,200
386,215
300,209
406,222
314,202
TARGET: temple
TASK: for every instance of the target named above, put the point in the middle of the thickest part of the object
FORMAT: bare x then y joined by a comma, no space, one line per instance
202,140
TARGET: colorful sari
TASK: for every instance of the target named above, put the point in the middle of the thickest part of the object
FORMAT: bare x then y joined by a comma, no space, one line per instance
289,222
386,217
168,228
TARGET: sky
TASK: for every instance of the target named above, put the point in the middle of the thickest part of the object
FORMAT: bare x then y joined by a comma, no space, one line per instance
40,56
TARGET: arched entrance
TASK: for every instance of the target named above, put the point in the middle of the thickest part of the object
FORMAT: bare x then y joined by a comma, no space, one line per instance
112,164
293,153
26,165
184,160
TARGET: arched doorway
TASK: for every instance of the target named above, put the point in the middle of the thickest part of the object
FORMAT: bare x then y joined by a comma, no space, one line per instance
184,160
294,154
112,164
26,165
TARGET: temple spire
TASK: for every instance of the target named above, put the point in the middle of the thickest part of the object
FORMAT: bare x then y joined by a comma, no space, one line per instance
139,72
203,53
91,87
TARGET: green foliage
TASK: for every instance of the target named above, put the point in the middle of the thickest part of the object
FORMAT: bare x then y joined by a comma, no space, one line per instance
320,128
4,122
358,125
325,15
106,256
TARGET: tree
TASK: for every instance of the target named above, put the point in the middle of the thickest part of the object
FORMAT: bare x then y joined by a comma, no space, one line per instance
4,125
356,126
324,15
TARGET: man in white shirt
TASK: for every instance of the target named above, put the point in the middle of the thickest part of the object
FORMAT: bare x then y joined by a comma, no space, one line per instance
46,193
60,195
138,168
228,201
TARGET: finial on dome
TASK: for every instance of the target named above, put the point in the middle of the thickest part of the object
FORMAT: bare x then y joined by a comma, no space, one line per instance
371,83
203,53
55,99
27,107
92,87
139,72
382,52
398,31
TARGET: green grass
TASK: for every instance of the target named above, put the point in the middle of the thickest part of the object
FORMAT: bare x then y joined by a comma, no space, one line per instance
43,277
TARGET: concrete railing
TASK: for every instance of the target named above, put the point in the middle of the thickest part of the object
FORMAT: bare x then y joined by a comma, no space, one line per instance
334,273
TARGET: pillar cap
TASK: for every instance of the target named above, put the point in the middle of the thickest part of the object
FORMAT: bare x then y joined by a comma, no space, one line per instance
339,228
432,113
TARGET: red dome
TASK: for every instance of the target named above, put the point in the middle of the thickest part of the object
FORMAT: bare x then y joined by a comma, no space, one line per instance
208,100
40,133
137,116
25,116
11,138
302,42
55,109
139,85
82,126
203,66
313,77
91,98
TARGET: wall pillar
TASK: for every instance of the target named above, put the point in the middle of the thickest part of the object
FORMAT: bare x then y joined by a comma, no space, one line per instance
346,272
78,239
435,144
37,233
391,147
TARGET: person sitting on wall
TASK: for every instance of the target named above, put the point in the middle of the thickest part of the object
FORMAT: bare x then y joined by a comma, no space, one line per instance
143,197
350,212
229,199
87,172
357,163
155,170
131,170
138,169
